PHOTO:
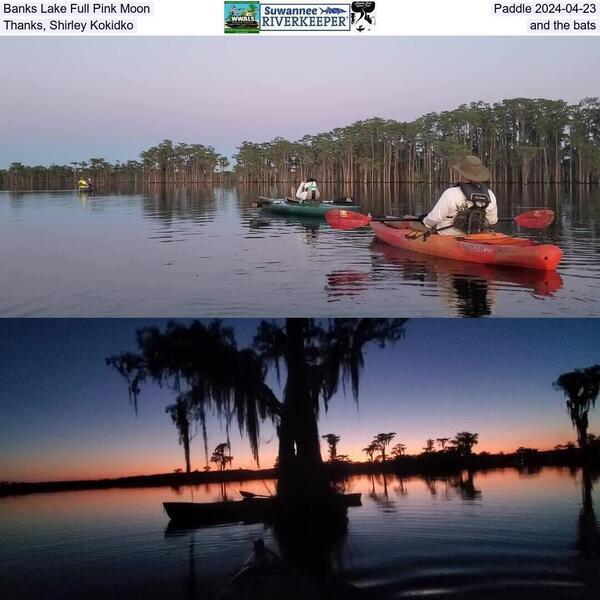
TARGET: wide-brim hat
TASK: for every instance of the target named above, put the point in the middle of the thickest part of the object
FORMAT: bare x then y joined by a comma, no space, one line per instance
471,168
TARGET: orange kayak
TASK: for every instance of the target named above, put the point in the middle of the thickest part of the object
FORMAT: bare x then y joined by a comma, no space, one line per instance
487,248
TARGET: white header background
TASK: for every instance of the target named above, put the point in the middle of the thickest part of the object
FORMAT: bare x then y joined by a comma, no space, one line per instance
393,17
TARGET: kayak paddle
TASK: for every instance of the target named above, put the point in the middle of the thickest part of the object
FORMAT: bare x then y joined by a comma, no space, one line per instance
347,219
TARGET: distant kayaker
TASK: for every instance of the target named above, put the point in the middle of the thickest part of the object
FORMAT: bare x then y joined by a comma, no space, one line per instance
467,207
308,191
82,183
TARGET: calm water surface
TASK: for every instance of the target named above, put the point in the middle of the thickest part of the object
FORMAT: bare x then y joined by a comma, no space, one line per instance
207,251
490,535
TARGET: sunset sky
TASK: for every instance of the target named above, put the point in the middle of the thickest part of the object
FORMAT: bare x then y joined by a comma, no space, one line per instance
65,415
69,99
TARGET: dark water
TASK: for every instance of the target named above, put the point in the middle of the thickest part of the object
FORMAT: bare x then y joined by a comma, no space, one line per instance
207,251
495,534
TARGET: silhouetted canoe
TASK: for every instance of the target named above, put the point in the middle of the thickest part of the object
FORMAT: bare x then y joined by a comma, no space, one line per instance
266,576
252,495
292,207
249,510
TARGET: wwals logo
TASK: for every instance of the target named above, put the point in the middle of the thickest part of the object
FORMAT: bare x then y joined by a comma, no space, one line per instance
242,17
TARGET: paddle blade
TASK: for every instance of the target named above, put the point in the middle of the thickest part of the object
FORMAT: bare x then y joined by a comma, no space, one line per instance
340,218
535,219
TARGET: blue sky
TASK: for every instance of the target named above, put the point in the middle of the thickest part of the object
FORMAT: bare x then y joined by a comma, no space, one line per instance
64,414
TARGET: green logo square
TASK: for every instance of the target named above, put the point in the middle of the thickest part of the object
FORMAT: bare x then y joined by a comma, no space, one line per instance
242,17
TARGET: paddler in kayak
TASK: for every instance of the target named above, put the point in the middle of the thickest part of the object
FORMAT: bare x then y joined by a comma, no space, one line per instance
308,191
466,207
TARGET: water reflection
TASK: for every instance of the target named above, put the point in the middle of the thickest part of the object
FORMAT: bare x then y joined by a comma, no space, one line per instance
544,580
465,289
346,283
465,486
174,250
191,591
466,534
588,539
307,227
381,495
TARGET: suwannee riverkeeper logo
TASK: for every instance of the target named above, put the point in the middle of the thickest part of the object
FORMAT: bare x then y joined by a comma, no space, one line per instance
253,17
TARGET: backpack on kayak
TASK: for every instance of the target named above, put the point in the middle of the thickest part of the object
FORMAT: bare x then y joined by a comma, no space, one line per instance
312,191
472,218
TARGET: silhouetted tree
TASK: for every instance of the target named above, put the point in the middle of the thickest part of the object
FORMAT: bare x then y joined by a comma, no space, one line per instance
464,441
370,450
567,446
221,455
429,446
525,450
442,442
205,369
207,372
318,357
332,441
593,441
180,415
382,441
581,387
398,450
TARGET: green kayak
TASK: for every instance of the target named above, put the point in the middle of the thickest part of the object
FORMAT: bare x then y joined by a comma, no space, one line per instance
304,209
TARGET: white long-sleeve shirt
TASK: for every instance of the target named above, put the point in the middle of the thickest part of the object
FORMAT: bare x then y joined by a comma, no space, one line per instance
450,202
305,191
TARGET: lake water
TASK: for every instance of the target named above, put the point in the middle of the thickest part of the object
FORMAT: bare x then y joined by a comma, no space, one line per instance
206,251
496,534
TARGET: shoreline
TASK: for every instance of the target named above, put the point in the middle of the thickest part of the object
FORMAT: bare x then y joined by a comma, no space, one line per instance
116,184
437,464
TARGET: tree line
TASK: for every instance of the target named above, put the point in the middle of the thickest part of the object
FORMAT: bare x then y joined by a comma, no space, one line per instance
164,163
461,445
521,140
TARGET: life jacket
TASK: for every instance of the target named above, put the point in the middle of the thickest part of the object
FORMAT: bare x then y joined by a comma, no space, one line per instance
312,191
472,218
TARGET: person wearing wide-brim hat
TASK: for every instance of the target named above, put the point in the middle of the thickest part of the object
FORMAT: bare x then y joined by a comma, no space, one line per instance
471,169
466,207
